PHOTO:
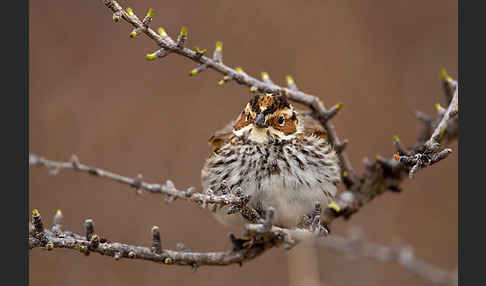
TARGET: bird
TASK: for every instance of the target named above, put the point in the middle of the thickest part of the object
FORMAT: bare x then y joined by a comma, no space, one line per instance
278,157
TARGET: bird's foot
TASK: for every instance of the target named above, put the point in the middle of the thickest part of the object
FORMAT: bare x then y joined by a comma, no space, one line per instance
313,222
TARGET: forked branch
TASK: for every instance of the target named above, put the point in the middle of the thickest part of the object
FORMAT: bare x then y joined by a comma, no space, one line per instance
384,174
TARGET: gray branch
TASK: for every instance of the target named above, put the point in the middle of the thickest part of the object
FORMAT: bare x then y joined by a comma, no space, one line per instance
386,174
263,237
168,189
428,153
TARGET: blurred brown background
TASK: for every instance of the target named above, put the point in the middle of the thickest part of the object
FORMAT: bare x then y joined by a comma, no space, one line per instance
92,93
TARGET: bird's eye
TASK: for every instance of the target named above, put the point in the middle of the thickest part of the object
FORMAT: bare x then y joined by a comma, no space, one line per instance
281,120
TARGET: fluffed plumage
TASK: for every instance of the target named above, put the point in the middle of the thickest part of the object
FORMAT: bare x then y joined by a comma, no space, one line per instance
277,156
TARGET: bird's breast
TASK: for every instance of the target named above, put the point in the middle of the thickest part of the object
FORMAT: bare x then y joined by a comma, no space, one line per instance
289,177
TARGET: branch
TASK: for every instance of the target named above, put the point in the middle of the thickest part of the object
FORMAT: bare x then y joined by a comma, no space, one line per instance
235,198
263,237
402,255
167,45
386,174
429,154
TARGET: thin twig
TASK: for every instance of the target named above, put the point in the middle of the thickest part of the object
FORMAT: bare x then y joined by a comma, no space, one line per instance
450,112
429,153
386,174
167,189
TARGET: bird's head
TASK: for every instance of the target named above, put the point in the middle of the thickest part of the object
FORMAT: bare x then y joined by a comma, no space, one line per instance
266,116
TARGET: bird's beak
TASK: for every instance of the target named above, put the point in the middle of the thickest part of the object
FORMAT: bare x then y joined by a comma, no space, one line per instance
260,121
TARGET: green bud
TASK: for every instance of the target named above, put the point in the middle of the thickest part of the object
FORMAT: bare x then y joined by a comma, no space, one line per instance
151,57
289,80
184,31
150,13
219,46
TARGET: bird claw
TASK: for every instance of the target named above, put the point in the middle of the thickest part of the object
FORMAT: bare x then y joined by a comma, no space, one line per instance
317,228
321,230
313,223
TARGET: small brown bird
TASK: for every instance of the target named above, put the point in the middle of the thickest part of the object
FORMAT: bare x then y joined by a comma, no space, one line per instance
280,158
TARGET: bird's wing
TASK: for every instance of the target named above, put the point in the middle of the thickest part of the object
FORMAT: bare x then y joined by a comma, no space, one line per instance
221,136
312,126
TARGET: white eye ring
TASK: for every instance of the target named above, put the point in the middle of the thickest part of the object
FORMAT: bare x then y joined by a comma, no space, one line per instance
281,120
